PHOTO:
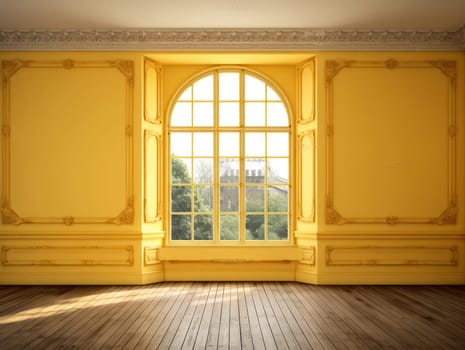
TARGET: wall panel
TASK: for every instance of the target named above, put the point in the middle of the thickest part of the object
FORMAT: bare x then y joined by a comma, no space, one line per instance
391,142
67,150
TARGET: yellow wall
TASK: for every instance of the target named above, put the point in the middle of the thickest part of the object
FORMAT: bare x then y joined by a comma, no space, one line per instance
378,169
390,169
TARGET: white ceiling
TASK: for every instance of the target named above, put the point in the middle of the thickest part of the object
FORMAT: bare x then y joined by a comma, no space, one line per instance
342,14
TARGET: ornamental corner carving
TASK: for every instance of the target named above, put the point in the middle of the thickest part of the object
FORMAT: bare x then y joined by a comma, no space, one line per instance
332,68
126,217
448,216
333,217
449,68
126,67
9,68
10,217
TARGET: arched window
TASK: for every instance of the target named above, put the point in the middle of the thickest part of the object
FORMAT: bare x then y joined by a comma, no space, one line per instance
229,144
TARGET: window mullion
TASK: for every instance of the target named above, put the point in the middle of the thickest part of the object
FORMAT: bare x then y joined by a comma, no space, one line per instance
216,178
242,229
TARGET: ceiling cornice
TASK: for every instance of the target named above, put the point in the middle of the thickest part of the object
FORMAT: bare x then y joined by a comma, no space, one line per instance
231,39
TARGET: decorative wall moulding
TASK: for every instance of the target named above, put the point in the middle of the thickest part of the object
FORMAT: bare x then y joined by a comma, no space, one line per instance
232,39
448,68
9,68
67,256
392,256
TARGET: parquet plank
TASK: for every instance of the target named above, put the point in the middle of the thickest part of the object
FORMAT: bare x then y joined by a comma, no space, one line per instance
175,333
306,317
201,340
128,329
159,321
246,335
251,315
268,337
234,319
197,317
223,336
257,337
214,329
35,332
295,339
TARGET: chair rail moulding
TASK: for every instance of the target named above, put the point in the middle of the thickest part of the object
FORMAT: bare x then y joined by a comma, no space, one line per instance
9,69
232,39
449,70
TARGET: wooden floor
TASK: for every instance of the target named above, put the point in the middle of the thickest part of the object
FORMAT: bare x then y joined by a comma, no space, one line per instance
232,315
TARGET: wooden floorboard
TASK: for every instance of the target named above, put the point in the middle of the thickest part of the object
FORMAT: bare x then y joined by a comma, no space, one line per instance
229,315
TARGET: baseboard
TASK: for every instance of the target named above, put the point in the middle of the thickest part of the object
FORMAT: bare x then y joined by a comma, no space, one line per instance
404,278
80,278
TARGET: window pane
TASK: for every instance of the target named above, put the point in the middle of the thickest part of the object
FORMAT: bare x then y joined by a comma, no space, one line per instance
229,198
182,114
255,170
203,113
203,199
181,227
255,114
278,170
203,89
186,95
181,199
255,227
271,94
276,114
229,144
254,88
203,171
229,170
254,144
229,86
229,227
181,172
255,199
229,113
203,227
278,144
277,227
277,198
203,144
181,144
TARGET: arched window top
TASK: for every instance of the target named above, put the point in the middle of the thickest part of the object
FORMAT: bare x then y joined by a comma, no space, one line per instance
229,98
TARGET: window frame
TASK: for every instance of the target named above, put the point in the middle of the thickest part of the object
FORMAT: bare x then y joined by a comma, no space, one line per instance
241,129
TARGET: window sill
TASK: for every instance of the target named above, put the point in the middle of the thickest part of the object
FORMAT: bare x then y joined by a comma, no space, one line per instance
230,254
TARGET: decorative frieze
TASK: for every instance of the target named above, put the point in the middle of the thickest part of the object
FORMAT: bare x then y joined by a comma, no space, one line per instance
243,39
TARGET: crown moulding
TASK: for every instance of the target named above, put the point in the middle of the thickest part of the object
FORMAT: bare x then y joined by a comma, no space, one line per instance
231,39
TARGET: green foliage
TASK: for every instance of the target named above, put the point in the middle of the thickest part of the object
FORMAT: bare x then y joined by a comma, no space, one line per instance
277,227
203,223
229,227
255,227
181,202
